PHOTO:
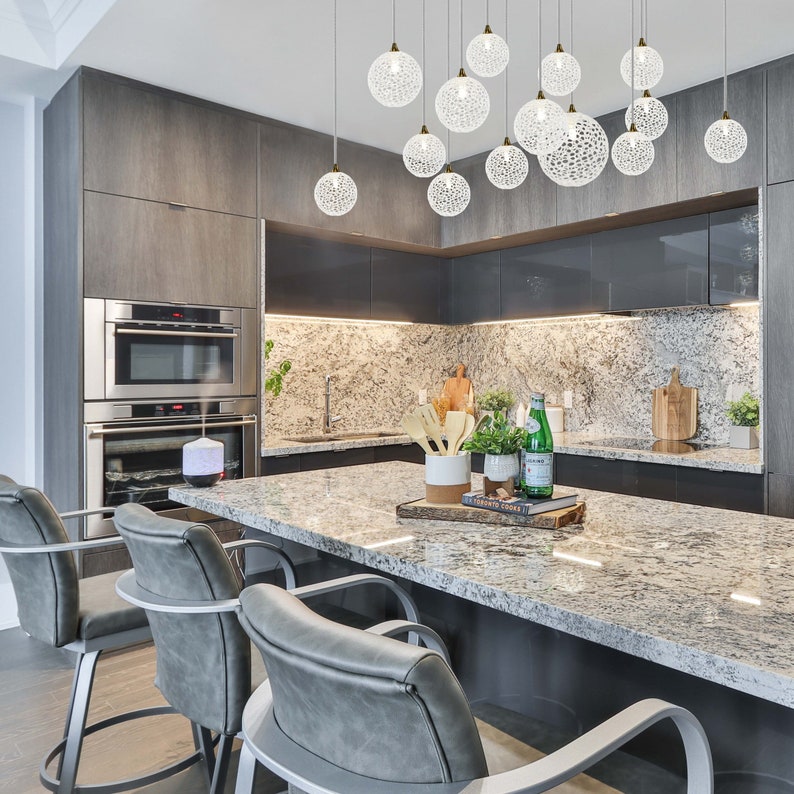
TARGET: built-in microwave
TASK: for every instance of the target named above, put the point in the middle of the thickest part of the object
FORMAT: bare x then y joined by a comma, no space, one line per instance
142,350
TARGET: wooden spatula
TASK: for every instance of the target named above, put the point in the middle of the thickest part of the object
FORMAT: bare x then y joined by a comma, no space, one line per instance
429,419
467,429
675,410
454,426
414,428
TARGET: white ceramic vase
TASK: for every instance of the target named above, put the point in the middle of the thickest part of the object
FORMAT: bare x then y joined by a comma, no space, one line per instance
743,437
499,468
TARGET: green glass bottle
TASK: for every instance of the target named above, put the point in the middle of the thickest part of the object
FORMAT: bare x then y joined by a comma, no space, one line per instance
536,459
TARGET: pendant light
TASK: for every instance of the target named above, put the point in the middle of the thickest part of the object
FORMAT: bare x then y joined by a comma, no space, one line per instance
642,65
632,152
462,103
725,139
394,78
584,151
424,155
507,166
540,125
488,54
335,193
560,72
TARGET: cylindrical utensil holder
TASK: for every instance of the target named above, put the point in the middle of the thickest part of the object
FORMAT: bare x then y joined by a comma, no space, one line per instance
447,477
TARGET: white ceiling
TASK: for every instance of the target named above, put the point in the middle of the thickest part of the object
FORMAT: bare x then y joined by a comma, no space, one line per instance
273,57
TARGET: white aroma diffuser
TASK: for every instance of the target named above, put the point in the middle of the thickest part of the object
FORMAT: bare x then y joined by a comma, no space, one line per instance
202,462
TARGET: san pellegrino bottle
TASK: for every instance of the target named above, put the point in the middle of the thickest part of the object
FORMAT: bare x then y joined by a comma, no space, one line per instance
536,461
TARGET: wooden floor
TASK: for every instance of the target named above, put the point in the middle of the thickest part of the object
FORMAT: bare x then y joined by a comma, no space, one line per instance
34,690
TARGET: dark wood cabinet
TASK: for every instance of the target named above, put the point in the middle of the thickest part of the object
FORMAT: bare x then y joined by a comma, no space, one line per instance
406,286
780,123
475,288
314,461
698,174
546,279
655,265
152,146
781,495
144,250
733,255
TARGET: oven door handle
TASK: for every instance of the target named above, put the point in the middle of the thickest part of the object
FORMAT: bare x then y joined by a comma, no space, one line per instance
114,431
168,332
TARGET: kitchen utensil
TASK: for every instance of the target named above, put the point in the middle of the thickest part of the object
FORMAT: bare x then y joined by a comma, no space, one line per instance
454,427
429,419
468,427
415,429
674,410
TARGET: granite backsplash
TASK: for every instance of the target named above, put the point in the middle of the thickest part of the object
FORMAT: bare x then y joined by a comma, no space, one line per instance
610,363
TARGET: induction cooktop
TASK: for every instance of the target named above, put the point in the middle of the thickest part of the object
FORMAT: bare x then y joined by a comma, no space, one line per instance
651,444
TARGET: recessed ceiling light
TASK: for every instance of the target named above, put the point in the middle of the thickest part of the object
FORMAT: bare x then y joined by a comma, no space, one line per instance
496,236
611,214
717,193
357,234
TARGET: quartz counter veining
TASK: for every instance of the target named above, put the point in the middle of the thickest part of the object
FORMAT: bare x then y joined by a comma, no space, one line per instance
705,591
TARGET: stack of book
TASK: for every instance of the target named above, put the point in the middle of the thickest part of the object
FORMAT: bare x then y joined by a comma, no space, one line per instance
503,502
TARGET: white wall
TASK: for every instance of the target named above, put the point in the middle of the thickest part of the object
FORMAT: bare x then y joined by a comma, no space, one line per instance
20,249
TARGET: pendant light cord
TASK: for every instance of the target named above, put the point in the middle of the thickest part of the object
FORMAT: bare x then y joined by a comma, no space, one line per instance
424,76
488,12
507,94
540,45
643,19
631,48
571,44
449,67
559,28
725,55
393,23
461,34
335,159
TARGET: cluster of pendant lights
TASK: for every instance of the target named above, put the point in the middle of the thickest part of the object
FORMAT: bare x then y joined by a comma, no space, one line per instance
572,147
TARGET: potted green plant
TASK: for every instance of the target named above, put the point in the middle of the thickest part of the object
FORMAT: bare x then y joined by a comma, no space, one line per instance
274,380
499,441
493,400
744,417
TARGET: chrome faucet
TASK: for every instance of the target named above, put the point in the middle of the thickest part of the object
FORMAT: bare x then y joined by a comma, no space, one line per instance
328,420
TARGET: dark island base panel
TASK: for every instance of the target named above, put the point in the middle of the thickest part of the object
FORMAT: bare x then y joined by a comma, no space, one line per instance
572,685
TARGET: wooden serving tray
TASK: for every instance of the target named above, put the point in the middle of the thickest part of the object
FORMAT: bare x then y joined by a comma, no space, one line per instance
554,519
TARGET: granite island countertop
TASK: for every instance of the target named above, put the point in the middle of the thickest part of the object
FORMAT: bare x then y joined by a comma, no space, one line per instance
705,591
714,458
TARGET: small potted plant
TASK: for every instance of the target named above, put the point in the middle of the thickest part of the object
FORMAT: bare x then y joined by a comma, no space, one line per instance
495,400
500,442
274,379
743,414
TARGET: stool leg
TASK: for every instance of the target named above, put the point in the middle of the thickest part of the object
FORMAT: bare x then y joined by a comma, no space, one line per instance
202,738
221,764
245,772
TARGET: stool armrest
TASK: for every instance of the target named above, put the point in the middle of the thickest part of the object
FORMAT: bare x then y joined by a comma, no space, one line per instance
92,512
394,628
284,561
128,589
50,548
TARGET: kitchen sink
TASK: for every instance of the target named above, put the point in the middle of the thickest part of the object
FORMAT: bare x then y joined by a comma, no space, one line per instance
350,435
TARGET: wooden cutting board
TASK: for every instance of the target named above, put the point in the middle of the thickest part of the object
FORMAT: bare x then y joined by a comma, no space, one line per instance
553,519
675,410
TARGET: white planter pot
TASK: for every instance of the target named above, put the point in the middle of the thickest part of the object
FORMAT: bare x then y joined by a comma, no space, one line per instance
743,437
499,468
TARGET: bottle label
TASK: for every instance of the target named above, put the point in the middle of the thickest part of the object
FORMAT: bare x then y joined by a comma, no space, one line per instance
537,470
532,425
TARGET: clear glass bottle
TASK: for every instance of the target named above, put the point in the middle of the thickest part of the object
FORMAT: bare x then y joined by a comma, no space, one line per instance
536,479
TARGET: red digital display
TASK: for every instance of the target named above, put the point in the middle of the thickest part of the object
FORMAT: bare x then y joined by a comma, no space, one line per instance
177,314
177,407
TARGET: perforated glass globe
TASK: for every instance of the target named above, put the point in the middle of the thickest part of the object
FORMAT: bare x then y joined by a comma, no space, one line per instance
506,167
650,117
424,154
540,126
725,140
560,73
394,79
462,104
487,54
449,194
633,153
335,193
583,153
648,67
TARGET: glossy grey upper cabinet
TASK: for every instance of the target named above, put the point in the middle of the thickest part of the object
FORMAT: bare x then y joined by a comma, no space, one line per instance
475,288
406,286
317,278
652,266
613,191
780,123
144,144
698,174
546,279
733,255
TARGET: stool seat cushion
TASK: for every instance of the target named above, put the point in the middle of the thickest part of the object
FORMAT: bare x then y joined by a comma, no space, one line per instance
102,612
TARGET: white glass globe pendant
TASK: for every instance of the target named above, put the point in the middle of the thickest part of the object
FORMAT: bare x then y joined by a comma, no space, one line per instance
650,116
582,155
335,192
395,78
633,152
725,140
449,193
560,73
424,155
487,54
648,66
540,125
507,166
462,103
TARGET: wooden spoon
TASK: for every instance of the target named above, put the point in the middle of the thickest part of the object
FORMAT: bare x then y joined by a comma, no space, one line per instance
429,419
467,431
414,428
455,425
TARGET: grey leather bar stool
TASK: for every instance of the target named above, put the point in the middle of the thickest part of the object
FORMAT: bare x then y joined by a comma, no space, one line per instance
350,712
84,616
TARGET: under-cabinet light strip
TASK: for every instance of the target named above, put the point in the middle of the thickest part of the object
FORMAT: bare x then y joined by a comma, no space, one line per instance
551,319
334,320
